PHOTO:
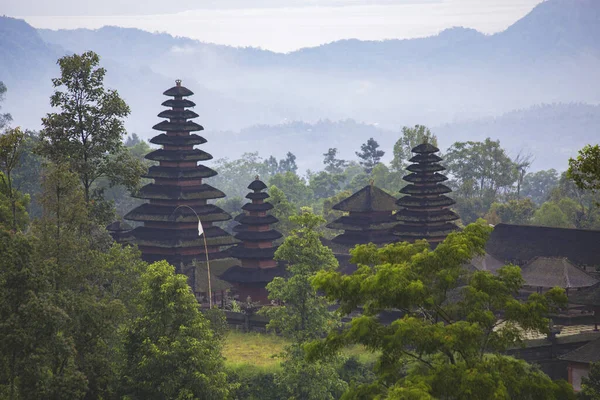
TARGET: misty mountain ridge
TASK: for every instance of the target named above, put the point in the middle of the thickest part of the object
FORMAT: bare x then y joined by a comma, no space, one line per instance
551,55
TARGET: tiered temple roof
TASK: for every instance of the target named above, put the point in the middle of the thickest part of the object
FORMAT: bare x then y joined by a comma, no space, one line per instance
424,210
169,231
256,251
549,272
369,218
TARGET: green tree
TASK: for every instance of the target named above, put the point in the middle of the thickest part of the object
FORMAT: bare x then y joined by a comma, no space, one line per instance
550,214
288,164
171,351
369,155
235,175
294,187
539,185
87,131
411,137
333,165
324,184
11,149
585,169
282,210
590,385
4,118
511,212
450,341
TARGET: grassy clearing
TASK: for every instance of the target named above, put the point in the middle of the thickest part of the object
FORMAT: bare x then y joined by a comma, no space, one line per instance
260,350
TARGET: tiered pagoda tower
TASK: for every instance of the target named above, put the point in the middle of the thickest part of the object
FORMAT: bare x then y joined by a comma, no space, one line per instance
369,218
168,232
424,210
256,250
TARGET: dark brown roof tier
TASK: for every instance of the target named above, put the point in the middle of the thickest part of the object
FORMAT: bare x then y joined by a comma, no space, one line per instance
257,185
252,220
444,215
262,207
354,238
549,272
158,213
521,243
368,199
178,103
429,178
153,191
257,196
425,168
185,259
359,223
184,238
168,126
179,140
425,189
258,236
425,230
241,252
197,172
427,202
425,148
119,226
177,114
425,158
487,263
178,155
586,354
589,296
239,274
178,91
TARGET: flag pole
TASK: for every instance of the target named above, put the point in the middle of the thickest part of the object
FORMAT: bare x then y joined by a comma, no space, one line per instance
201,233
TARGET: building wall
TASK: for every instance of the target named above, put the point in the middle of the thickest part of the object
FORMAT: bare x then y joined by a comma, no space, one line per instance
576,372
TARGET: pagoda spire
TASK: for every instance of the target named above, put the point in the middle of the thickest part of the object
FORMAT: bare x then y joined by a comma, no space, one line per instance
178,180
256,251
424,210
369,217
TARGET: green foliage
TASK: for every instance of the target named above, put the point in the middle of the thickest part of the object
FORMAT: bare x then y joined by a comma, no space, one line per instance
282,210
170,349
448,343
511,212
301,313
87,131
550,214
294,187
539,185
333,165
585,169
411,137
369,155
11,148
590,385
4,118
324,184
235,175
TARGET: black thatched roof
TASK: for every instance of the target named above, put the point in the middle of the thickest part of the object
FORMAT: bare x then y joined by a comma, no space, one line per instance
352,238
429,178
257,196
520,243
368,199
197,172
178,155
444,215
428,168
486,262
425,189
257,185
359,222
549,272
176,114
187,126
185,238
178,140
426,202
178,103
425,148
161,213
253,220
178,90
154,191
262,207
241,252
589,296
425,158
586,354
119,226
258,236
239,274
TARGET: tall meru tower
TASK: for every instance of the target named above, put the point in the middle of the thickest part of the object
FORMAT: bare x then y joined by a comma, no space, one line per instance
168,232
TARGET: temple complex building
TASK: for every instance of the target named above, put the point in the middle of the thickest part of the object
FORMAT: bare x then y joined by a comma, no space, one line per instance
425,209
178,196
256,251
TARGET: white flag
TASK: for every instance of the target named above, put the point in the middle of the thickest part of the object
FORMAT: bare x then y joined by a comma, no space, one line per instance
200,230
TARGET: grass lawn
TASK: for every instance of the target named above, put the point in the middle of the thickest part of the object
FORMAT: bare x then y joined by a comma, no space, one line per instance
258,350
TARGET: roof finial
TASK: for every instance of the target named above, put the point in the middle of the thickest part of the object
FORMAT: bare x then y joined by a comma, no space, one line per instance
371,182
178,82
256,178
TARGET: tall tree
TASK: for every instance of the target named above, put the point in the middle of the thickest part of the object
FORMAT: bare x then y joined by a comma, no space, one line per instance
4,118
369,155
539,185
585,169
288,164
450,341
87,131
333,165
411,137
11,149
522,164
170,348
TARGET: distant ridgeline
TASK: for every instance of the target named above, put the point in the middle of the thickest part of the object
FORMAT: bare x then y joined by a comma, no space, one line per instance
178,199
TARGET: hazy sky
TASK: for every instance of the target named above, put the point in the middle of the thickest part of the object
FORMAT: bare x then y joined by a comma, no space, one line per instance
279,25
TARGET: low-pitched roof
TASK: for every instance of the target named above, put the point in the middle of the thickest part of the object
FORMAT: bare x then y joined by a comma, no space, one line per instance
488,263
549,272
586,354
589,296
368,199
521,243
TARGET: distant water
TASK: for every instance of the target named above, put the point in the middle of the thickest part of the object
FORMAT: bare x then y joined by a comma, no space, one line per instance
284,29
